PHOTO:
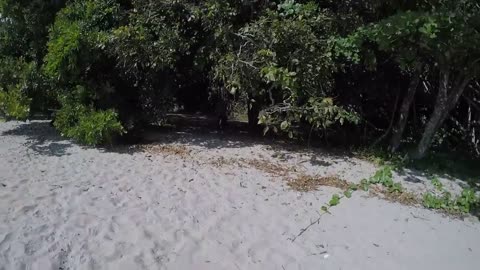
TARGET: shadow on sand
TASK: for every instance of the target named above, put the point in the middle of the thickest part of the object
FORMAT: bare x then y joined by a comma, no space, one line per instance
42,138
198,130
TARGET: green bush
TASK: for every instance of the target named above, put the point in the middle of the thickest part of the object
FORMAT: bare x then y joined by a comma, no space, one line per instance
15,85
86,125
97,127
67,118
284,63
14,104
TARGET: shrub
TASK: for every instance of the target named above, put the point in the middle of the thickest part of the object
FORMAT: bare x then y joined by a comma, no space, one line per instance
97,127
68,117
16,83
86,125
14,104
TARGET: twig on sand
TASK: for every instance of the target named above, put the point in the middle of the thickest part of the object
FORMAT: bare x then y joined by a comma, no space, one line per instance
422,218
302,231
55,187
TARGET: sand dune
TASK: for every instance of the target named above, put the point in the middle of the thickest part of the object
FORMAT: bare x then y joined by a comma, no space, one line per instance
63,206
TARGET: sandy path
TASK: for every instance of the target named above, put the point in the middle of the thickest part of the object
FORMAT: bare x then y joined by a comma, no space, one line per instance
67,207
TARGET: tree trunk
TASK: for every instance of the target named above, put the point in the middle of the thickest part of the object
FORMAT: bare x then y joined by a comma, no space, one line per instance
389,129
405,109
453,98
444,105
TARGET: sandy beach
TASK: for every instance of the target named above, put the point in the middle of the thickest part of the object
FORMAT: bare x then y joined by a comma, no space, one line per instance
199,202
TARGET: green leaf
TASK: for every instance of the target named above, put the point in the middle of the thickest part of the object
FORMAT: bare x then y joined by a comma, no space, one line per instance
437,184
335,200
364,184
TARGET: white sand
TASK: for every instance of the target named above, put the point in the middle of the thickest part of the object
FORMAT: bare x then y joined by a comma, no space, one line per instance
67,207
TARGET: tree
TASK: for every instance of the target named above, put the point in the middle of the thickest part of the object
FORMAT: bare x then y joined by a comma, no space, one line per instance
132,61
444,39
454,45
23,36
83,75
24,27
284,63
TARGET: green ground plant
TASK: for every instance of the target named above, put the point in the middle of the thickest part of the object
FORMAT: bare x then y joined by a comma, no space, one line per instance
443,200
464,203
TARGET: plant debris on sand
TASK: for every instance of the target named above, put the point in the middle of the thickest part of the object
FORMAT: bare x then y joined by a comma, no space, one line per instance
405,198
164,149
306,183
268,167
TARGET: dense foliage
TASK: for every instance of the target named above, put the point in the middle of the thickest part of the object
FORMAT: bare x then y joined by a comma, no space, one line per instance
400,74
